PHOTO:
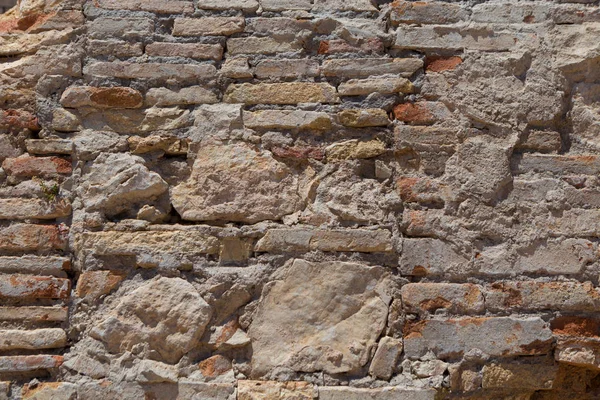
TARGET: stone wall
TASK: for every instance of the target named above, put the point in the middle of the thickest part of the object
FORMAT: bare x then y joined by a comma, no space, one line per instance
300,199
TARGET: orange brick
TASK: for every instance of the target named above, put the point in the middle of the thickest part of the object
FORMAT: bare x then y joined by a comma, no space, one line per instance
28,167
34,287
28,237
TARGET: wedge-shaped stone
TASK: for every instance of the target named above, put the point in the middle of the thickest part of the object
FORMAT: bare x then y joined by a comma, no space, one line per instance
38,339
257,187
208,26
302,240
26,237
35,265
127,70
363,87
297,390
33,208
365,67
501,336
333,328
454,297
113,97
34,287
12,364
189,95
34,314
287,119
538,296
388,393
167,314
281,93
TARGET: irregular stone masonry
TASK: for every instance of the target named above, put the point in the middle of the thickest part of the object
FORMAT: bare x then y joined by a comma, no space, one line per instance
300,199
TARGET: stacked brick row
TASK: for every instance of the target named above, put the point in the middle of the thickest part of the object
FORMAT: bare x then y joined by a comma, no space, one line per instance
299,199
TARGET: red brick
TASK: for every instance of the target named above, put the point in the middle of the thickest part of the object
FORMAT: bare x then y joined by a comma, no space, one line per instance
19,119
575,326
29,363
336,46
421,113
93,284
34,287
26,237
28,167
440,64
214,366
300,153
113,97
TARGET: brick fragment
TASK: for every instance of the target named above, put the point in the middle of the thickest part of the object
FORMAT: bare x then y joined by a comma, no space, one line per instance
116,48
18,119
363,118
454,297
37,339
299,153
421,113
365,67
104,27
215,366
441,64
28,167
113,97
281,93
93,284
26,237
16,364
34,314
191,50
212,26
34,287
372,46
576,326
499,336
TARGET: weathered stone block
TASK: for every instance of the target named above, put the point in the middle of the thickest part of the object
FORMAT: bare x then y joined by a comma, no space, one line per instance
301,240
155,6
37,339
218,26
34,287
365,67
386,356
93,284
286,68
103,27
121,69
191,50
163,97
287,119
431,257
261,45
12,209
455,298
281,93
363,118
345,300
354,149
500,336
49,146
28,167
538,376
244,5
363,87
50,391
263,390
34,314
430,12
25,237
421,113
113,97
12,364
387,393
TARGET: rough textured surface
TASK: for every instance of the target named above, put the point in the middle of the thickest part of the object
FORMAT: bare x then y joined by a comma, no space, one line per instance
300,199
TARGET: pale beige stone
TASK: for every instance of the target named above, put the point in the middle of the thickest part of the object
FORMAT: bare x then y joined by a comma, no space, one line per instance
37,339
354,149
363,118
287,119
281,93
272,390
348,303
363,87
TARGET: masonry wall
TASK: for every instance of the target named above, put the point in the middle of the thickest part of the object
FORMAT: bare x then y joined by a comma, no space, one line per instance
300,199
